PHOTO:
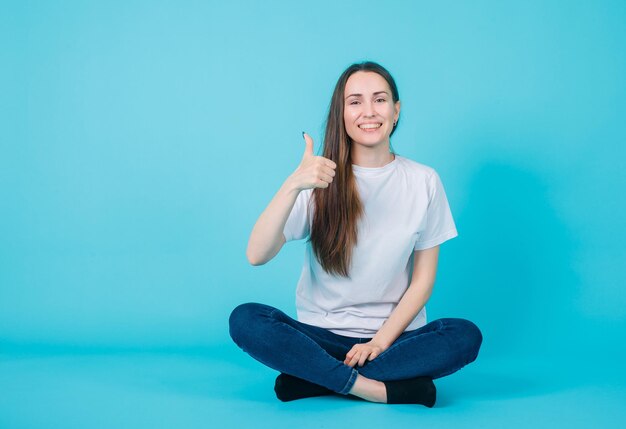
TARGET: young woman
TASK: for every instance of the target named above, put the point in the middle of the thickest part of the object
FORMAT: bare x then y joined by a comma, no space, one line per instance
374,222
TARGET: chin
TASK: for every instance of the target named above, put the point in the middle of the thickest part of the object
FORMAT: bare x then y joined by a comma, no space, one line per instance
369,140
368,143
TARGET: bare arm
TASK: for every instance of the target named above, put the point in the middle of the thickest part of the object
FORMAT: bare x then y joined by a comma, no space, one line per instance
413,300
267,236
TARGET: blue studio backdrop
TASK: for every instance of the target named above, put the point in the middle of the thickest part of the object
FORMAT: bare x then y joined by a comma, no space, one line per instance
141,140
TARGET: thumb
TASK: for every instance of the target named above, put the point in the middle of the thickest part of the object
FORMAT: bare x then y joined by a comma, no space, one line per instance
308,141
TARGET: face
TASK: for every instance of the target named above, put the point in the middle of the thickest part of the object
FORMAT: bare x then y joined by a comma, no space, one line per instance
369,111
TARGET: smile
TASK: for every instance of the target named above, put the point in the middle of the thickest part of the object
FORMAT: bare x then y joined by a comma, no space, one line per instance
370,126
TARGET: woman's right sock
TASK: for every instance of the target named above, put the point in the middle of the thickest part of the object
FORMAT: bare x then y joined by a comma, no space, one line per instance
289,388
419,390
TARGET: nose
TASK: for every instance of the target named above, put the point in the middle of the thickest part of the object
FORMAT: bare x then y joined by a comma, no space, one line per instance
368,109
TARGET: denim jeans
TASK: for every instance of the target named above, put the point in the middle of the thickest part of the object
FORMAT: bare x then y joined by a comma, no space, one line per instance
315,354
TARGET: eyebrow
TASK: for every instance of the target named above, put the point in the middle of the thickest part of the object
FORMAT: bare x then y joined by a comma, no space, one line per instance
361,95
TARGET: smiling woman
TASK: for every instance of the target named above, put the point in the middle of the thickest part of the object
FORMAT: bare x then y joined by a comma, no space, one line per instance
364,112
370,118
374,221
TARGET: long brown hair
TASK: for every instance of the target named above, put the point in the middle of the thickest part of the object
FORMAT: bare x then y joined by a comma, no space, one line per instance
338,208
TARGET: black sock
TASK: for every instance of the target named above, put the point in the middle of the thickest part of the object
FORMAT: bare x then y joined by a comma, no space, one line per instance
289,388
419,390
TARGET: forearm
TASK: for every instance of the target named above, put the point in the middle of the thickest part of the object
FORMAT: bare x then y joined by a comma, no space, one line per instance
411,303
266,238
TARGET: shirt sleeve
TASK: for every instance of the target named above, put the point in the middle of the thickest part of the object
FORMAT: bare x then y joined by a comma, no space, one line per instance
440,225
297,226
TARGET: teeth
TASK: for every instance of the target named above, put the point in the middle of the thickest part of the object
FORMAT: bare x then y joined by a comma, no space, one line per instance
370,126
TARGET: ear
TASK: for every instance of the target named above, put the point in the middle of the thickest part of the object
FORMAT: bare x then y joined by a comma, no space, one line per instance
397,109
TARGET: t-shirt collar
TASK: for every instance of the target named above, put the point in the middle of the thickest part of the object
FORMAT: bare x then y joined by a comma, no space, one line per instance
375,171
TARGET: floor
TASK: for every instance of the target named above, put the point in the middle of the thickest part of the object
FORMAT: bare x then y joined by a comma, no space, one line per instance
193,388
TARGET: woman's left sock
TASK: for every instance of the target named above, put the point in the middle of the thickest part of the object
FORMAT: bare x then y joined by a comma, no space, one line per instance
289,388
419,390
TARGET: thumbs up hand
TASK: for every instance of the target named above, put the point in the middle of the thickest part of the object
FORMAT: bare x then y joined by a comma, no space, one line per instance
313,171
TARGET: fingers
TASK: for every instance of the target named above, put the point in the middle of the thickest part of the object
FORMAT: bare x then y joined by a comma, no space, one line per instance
329,163
350,357
326,174
313,171
308,151
322,176
354,360
356,356
373,355
360,354
308,144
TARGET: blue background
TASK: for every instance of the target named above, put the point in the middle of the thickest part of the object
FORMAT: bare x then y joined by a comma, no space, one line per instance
141,140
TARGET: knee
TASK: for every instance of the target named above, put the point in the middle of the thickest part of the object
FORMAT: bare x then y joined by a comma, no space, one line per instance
243,319
470,338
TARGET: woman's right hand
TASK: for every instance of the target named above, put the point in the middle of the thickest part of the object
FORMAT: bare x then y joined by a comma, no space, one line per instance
313,171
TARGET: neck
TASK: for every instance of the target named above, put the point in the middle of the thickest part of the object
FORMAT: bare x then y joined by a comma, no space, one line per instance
371,156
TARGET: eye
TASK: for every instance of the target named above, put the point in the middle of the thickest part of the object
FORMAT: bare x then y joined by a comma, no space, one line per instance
354,102
380,99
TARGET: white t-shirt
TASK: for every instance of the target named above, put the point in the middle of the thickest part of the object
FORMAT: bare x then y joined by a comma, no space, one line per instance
405,209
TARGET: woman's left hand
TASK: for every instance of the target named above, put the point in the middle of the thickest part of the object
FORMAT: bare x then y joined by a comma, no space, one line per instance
360,353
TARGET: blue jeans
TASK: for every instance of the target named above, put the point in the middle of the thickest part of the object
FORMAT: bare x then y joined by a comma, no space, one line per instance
315,354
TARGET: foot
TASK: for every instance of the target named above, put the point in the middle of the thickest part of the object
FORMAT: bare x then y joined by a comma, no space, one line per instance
289,388
369,389
419,390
